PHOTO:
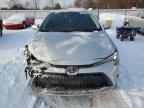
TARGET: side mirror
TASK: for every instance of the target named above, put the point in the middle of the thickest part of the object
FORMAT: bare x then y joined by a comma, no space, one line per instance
106,26
35,27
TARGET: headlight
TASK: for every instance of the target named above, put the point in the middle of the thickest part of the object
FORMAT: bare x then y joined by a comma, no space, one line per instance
114,57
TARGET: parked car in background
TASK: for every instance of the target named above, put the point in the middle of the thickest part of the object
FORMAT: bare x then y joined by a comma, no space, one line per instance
1,25
136,22
18,21
72,54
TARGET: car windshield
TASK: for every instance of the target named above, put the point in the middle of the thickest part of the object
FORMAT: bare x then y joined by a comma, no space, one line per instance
15,16
70,21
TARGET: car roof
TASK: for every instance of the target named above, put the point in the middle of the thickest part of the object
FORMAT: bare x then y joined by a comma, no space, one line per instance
73,10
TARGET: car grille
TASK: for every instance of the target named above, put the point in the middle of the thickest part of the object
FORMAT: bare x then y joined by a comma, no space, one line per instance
66,82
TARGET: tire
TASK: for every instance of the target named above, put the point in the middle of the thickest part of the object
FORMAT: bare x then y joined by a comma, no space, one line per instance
24,25
1,32
122,38
117,36
131,38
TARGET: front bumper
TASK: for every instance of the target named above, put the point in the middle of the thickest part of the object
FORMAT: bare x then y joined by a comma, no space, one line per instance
63,83
51,84
13,26
82,92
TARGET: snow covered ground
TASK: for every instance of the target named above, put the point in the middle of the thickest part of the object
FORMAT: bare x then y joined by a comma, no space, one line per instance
16,93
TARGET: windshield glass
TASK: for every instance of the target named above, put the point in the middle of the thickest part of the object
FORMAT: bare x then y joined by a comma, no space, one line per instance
70,21
15,16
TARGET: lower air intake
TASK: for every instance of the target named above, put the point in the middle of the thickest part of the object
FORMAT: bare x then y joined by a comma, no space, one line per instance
77,82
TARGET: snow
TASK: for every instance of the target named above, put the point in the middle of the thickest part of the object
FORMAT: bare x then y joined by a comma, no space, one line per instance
15,90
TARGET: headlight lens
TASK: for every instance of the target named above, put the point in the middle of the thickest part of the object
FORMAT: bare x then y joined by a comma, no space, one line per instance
115,58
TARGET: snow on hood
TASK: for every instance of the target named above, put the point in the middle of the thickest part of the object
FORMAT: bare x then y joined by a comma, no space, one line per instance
14,20
71,48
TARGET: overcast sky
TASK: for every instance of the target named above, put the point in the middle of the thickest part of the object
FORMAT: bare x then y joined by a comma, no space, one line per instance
43,2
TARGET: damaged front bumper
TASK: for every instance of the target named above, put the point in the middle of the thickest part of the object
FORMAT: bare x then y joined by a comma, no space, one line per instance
81,84
80,92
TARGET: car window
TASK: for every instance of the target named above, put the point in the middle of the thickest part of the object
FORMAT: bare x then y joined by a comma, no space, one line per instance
70,21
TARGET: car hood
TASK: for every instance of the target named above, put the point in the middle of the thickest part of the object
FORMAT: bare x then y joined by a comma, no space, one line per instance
13,21
71,48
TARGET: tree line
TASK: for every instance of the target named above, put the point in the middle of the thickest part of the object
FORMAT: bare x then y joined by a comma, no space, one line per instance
109,4
95,4
31,4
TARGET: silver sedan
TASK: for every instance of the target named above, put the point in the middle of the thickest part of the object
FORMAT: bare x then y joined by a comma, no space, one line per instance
71,54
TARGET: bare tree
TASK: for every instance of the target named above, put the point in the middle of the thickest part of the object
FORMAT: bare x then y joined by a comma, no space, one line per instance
89,4
115,4
27,4
11,3
57,6
46,8
15,4
36,4
77,3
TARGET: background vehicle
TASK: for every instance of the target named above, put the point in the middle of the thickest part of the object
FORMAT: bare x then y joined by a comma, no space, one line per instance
125,33
18,21
1,25
136,22
72,53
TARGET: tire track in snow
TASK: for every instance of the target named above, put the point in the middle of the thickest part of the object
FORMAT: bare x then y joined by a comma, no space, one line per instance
120,99
19,93
25,98
114,99
22,94
12,70
109,100
40,103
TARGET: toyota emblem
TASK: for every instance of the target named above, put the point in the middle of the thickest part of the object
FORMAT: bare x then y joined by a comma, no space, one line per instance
72,70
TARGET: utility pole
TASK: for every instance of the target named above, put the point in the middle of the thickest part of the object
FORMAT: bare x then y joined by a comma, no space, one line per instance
142,3
108,5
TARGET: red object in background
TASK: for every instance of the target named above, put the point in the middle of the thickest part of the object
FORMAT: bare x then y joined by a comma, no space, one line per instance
19,21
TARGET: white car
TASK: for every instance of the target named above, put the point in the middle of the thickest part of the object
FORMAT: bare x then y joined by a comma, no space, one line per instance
71,54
